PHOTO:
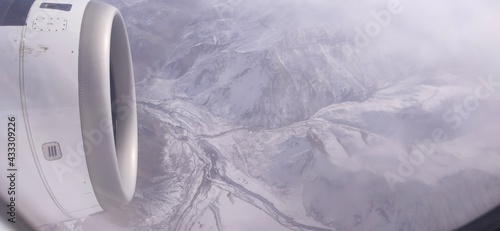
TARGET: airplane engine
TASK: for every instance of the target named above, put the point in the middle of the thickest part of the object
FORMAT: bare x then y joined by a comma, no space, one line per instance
68,120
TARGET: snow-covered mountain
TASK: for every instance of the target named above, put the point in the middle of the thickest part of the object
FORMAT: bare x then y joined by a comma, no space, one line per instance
270,115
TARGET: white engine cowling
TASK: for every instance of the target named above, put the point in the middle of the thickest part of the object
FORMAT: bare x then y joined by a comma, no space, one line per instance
68,121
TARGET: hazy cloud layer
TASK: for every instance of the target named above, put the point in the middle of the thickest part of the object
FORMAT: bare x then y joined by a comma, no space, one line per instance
313,115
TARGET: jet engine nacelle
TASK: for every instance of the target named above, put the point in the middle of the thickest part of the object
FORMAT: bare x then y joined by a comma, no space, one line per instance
68,121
